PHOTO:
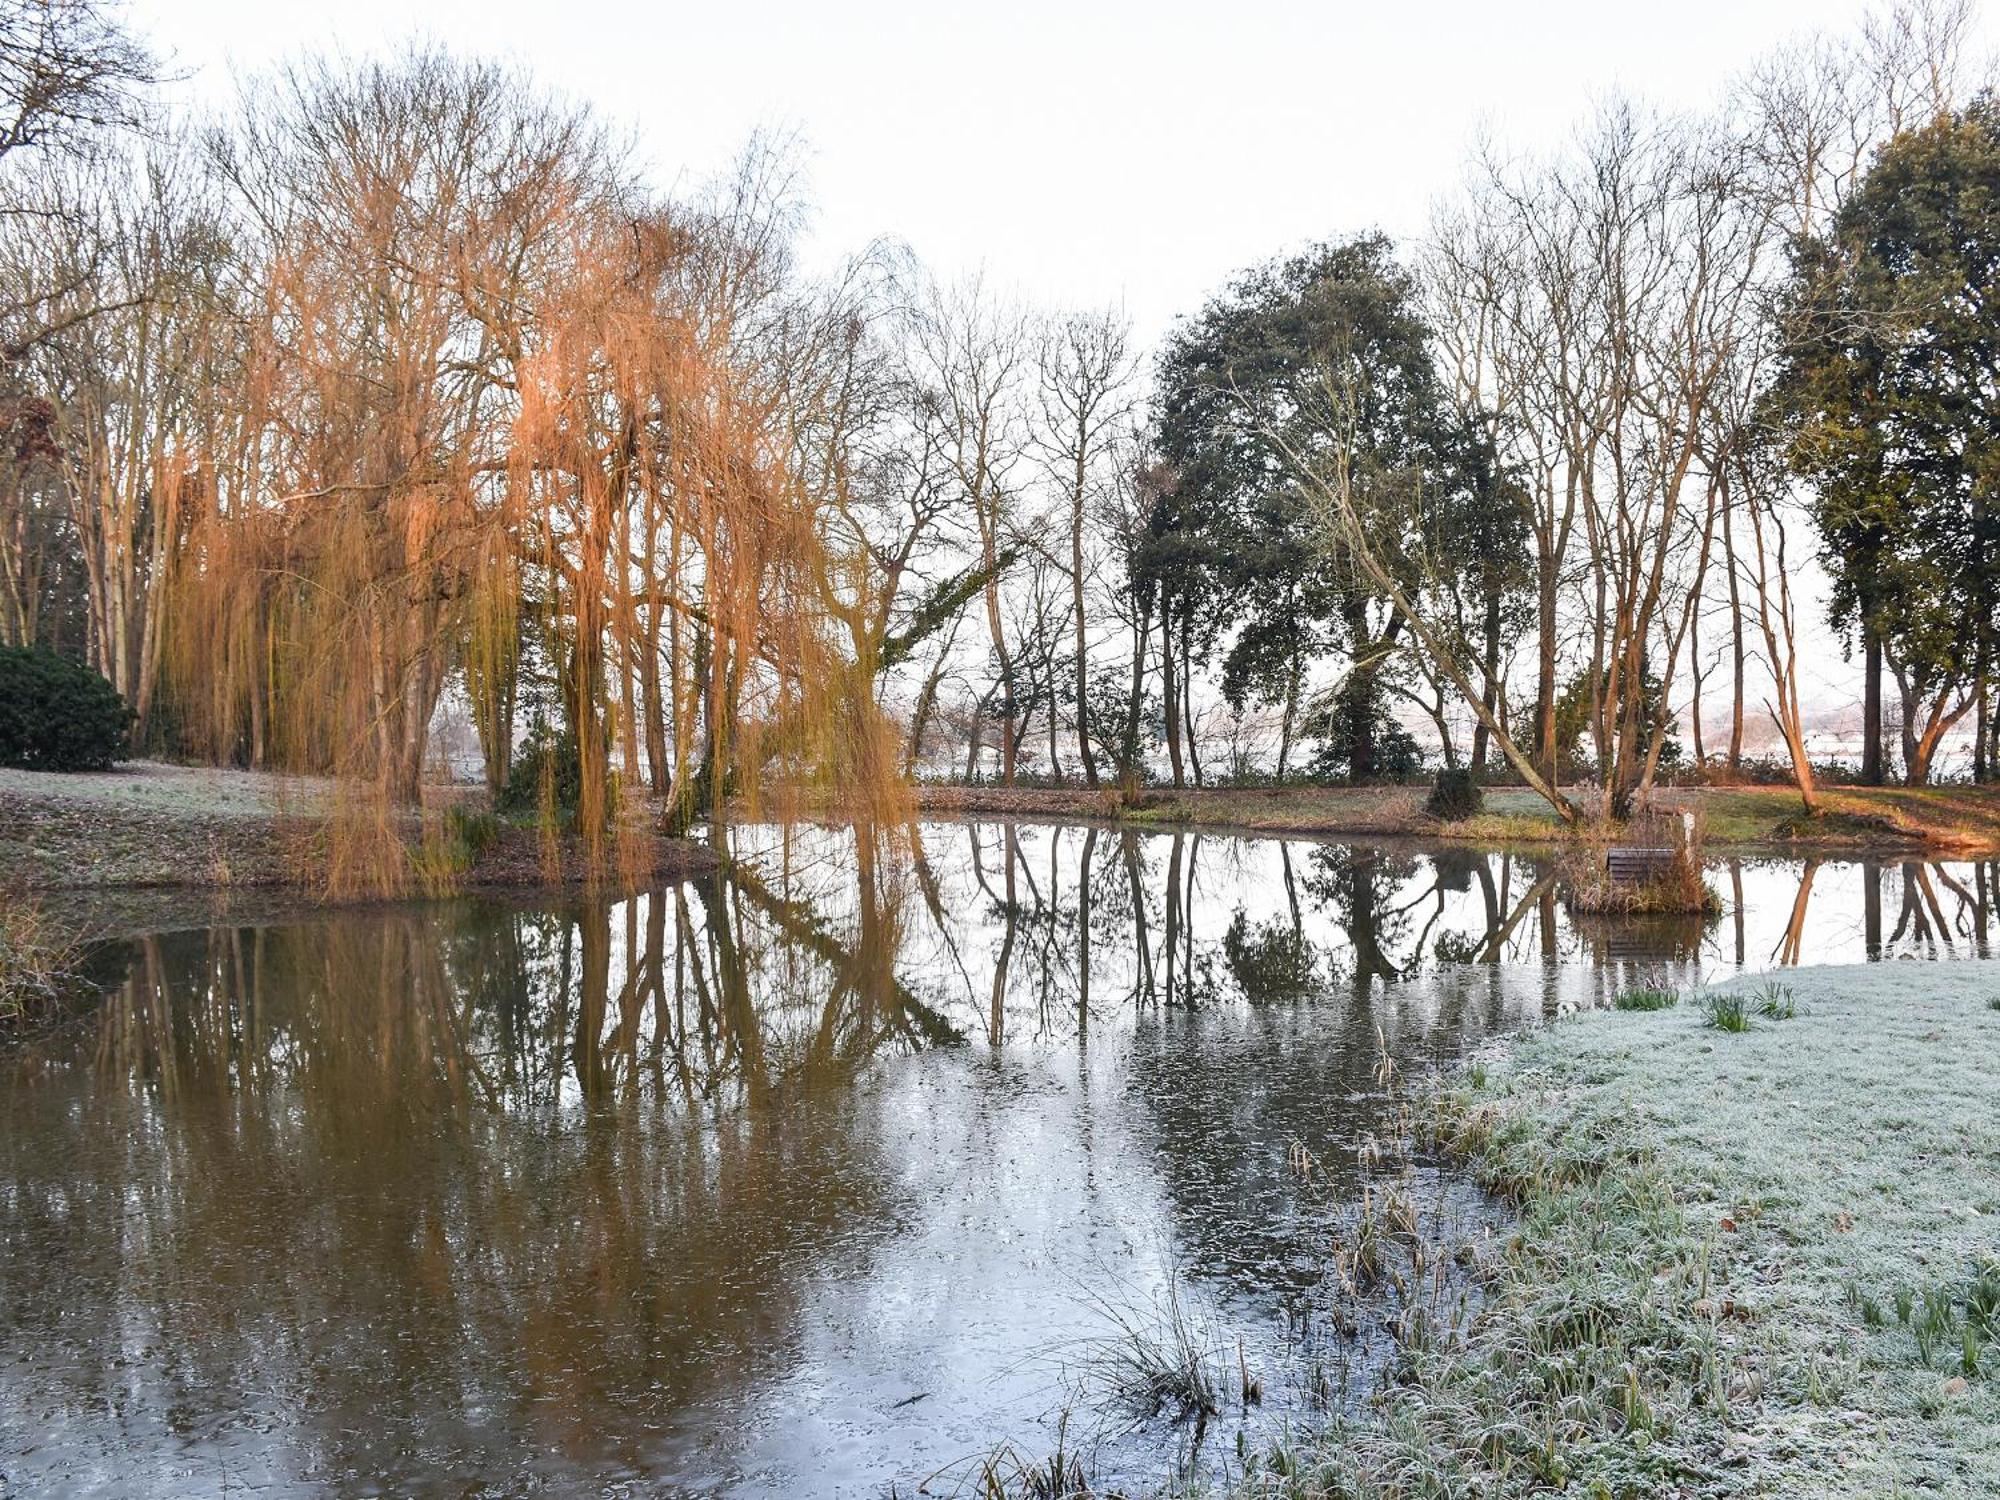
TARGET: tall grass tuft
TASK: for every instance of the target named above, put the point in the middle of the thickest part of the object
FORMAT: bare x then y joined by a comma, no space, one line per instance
37,959
1159,1361
1647,997
1008,1474
1775,1001
1725,1012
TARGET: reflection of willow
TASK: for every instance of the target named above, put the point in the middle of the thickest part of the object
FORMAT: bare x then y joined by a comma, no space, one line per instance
323,1166
715,985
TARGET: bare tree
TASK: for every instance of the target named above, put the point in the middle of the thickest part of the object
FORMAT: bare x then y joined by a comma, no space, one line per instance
973,355
68,69
1086,376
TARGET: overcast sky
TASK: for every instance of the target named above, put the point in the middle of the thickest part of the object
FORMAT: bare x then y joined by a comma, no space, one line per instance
1127,153
1083,154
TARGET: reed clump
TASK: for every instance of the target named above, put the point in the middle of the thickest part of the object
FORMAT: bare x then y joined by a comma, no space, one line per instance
1678,887
38,959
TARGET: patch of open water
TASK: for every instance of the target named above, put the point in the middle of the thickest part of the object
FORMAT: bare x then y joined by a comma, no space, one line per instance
824,1176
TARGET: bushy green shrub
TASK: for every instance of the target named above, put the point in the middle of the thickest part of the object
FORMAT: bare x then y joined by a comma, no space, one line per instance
58,715
544,752
1455,796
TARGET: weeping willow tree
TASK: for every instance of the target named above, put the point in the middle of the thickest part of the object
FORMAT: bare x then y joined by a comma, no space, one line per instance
488,385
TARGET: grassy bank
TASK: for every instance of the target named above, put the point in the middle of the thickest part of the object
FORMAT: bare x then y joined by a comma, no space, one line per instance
1748,1261
1959,820
151,825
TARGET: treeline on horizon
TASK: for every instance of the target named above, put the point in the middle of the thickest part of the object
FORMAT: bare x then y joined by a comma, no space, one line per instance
398,384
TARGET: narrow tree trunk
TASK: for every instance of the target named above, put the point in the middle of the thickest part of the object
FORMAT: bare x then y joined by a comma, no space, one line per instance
1735,648
1360,698
990,560
1136,692
1490,693
1085,756
1871,705
1289,716
1979,768
1169,674
1187,697
1545,670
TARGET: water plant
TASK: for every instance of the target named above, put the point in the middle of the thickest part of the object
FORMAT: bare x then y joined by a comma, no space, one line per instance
1158,1360
37,959
1008,1474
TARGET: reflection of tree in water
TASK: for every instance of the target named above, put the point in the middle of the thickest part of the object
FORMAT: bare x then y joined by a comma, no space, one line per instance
471,1189
458,1187
1272,961
1922,921
1298,1061
1353,886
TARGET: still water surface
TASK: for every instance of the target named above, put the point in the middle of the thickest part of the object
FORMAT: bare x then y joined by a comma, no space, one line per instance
820,1177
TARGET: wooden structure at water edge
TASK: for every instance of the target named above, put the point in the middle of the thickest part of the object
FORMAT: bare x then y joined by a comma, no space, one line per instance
1638,864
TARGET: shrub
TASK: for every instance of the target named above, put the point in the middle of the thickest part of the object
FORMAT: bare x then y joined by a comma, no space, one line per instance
1455,796
58,715
545,752
453,846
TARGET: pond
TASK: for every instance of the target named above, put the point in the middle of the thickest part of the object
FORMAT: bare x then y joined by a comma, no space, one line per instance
827,1175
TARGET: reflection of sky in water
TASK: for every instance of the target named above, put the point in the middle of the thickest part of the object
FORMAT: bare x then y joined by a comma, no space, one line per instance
770,1185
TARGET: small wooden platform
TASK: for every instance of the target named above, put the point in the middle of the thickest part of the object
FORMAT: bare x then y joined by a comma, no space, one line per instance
1634,864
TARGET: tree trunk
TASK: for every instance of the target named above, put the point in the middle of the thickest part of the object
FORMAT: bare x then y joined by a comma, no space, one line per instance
1545,670
1289,716
1871,705
1359,697
1490,694
1085,756
1129,772
1979,768
1169,674
1187,697
1735,650
991,561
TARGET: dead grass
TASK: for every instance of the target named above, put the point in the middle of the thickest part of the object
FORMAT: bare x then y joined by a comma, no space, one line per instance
37,959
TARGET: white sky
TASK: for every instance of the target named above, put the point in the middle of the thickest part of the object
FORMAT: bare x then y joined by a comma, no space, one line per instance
1085,154
1125,153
